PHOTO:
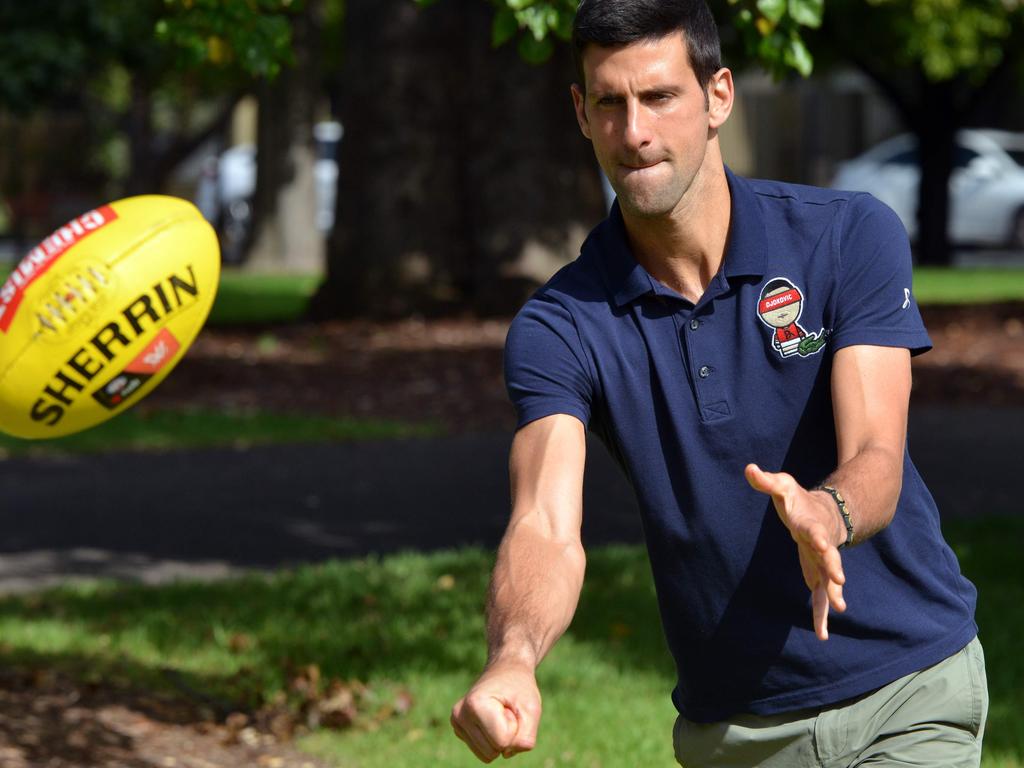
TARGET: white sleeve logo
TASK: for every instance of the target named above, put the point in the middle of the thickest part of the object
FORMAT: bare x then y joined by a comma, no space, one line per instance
906,298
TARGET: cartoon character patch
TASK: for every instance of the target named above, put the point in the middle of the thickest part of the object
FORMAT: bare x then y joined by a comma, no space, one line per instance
779,307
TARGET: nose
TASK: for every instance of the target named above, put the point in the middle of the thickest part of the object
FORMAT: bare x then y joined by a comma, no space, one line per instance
636,134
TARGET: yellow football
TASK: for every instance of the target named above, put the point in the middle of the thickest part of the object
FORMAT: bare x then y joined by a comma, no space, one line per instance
98,313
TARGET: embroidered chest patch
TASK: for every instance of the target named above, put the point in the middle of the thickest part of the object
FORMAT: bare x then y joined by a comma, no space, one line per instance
779,308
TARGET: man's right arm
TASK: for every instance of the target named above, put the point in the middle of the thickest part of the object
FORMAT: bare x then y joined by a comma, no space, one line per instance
534,589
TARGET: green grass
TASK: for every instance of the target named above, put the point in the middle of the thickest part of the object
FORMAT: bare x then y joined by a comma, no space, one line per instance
253,299
141,429
416,621
940,285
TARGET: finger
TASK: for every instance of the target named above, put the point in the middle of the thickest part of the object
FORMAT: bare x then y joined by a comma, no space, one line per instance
835,596
526,733
819,608
808,567
481,745
498,723
461,733
759,479
832,563
471,728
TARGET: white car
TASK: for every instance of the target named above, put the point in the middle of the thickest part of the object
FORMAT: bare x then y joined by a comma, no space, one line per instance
986,189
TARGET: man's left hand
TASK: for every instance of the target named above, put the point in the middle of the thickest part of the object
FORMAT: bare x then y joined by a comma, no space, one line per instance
813,522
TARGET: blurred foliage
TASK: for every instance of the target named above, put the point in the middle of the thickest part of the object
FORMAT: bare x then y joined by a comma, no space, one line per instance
770,29
941,39
151,78
48,51
944,38
252,35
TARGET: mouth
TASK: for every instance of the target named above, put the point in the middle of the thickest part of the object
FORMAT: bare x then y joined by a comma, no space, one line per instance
640,166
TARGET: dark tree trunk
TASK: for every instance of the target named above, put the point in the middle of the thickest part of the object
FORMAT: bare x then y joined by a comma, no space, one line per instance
936,132
142,159
285,118
457,160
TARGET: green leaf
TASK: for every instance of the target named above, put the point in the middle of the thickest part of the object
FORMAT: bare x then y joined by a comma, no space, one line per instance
563,23
536,20
798,57
535,51
807,13
504,27
773,10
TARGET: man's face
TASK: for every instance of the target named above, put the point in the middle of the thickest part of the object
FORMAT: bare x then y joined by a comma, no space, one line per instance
645,113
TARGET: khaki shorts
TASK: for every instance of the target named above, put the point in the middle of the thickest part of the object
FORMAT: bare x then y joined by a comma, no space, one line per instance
935,717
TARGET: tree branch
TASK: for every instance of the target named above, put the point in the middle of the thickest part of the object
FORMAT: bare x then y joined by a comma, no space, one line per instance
185,145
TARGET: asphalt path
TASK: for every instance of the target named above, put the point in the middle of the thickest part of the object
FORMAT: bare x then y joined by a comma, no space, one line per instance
158,516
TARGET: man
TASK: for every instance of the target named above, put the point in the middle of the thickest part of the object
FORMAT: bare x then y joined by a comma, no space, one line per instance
779,505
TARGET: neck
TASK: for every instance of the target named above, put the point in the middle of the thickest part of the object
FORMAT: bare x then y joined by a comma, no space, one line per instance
684,249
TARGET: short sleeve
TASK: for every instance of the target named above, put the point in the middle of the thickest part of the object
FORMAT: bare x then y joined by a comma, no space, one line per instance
874,295
546,369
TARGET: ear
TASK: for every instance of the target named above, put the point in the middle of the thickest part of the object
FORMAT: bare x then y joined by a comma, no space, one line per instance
721,94
579,102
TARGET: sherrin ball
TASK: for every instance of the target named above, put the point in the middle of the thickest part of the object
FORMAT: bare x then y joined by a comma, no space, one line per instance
97,314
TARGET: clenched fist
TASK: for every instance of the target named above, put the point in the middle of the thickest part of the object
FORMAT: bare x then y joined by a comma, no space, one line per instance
501,712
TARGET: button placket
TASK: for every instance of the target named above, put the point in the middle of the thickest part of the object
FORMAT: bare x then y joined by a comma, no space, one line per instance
698,347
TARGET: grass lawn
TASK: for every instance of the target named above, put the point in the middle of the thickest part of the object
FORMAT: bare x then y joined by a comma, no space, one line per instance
415,621
248,299
941,285
140,429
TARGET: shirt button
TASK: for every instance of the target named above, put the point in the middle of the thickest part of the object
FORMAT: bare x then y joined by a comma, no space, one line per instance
694,324
704,372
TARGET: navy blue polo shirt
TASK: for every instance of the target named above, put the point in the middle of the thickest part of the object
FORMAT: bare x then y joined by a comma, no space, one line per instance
685,395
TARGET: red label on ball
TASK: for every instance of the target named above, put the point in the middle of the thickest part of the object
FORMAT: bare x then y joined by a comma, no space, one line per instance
44,256
156,355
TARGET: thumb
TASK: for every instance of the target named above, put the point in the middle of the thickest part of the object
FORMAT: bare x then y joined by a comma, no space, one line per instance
502,725
526,734
765,482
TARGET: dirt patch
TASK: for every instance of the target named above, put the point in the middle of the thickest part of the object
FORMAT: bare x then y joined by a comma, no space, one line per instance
50,721
446,372
449,372
978,356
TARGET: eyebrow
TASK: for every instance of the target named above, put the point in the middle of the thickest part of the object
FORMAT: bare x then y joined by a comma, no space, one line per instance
654,90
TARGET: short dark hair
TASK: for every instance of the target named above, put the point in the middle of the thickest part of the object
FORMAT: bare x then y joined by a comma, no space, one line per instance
611,23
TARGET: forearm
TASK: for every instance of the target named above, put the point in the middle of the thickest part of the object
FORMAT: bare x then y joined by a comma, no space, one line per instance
534,591
870,482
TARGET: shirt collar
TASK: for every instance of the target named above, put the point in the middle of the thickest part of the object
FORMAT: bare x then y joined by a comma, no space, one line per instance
745,253
627,279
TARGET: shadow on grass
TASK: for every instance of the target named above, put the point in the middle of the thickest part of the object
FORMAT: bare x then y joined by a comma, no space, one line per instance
384,619
374,617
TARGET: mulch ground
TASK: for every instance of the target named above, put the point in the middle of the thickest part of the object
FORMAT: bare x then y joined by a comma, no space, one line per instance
48,720
445,372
